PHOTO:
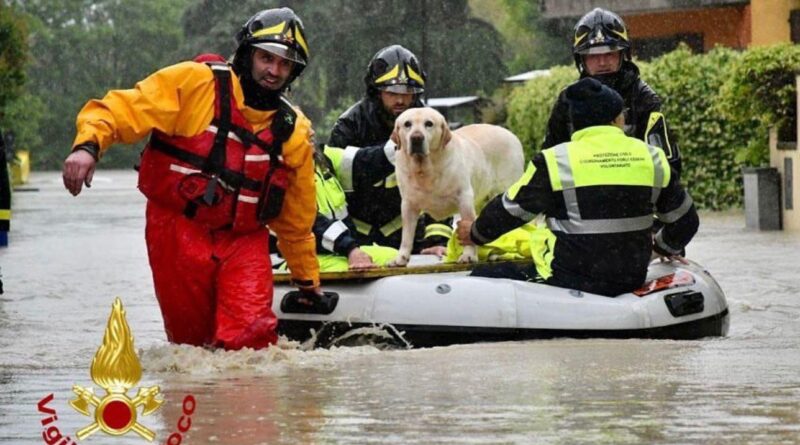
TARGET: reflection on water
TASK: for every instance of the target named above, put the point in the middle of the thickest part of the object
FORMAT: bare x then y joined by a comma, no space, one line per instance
70,256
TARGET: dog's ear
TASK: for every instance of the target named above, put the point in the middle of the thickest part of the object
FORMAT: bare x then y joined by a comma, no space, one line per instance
395,137
446,134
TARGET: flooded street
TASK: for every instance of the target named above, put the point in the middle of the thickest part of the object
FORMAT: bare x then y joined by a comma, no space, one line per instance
69,257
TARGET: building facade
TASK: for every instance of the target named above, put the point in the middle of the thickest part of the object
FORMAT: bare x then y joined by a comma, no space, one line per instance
658,26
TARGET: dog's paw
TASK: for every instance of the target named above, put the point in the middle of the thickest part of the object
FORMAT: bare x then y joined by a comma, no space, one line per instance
468,257
398,261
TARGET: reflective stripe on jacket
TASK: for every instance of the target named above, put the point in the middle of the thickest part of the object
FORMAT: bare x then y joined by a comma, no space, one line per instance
599,194
373,198
330,227
642,106
604,160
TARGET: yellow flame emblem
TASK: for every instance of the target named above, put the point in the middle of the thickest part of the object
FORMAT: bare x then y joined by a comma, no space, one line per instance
391,74
272,30
413,74
623,35
578,38
116,369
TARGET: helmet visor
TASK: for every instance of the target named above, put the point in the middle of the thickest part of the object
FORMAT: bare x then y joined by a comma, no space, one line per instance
600,49
281,50
401,89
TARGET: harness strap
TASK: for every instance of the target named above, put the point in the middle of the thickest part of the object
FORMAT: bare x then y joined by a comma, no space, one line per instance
215,162
246,137
282,127
234,179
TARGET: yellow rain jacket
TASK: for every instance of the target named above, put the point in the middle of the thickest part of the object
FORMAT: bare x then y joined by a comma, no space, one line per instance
179,101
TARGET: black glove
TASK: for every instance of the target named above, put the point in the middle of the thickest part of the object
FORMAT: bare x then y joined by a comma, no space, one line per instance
89,147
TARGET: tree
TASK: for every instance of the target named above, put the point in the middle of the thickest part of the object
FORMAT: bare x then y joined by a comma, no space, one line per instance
531,42
13,54
461,54
82,48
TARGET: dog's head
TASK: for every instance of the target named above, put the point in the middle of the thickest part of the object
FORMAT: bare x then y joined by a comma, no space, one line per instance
420,131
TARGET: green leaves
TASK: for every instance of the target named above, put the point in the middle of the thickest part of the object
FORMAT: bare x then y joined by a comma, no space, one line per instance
13,53
761,93
462,55
83,48
79,50
691,86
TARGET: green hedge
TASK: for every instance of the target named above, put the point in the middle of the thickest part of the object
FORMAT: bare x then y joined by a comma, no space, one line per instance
761,93
718,105
690,86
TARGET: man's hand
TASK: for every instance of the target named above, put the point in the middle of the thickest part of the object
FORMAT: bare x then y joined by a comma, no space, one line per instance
664,256
439,251
357,259
463,230
78,170
312,292
311,289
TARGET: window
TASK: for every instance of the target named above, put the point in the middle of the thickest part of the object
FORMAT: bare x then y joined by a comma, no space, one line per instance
794,25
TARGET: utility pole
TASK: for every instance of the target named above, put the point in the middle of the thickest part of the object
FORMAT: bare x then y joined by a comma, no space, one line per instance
424,36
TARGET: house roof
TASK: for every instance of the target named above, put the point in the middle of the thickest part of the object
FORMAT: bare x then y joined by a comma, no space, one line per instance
558,9
528,75
450,102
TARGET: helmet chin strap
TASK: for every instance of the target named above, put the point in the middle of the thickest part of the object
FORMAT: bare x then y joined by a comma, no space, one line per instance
256,96
608,79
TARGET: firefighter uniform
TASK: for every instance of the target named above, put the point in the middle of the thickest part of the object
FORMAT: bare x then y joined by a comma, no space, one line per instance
599,193
367,178
333,227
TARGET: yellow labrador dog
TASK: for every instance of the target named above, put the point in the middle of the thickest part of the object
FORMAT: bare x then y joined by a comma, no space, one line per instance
443,172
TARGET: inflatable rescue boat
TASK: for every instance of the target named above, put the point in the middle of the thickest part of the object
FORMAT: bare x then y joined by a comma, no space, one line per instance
437,305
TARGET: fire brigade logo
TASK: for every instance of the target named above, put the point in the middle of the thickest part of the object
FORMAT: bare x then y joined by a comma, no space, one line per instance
116,369
598,38
402,78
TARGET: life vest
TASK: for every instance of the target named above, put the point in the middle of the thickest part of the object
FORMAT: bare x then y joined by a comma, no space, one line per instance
227,176
513,245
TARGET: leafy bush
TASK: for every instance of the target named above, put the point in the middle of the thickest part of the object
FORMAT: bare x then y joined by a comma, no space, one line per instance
690,88
760,93
13,54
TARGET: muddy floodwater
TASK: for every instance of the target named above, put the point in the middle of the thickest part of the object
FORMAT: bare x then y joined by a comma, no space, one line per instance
69,257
